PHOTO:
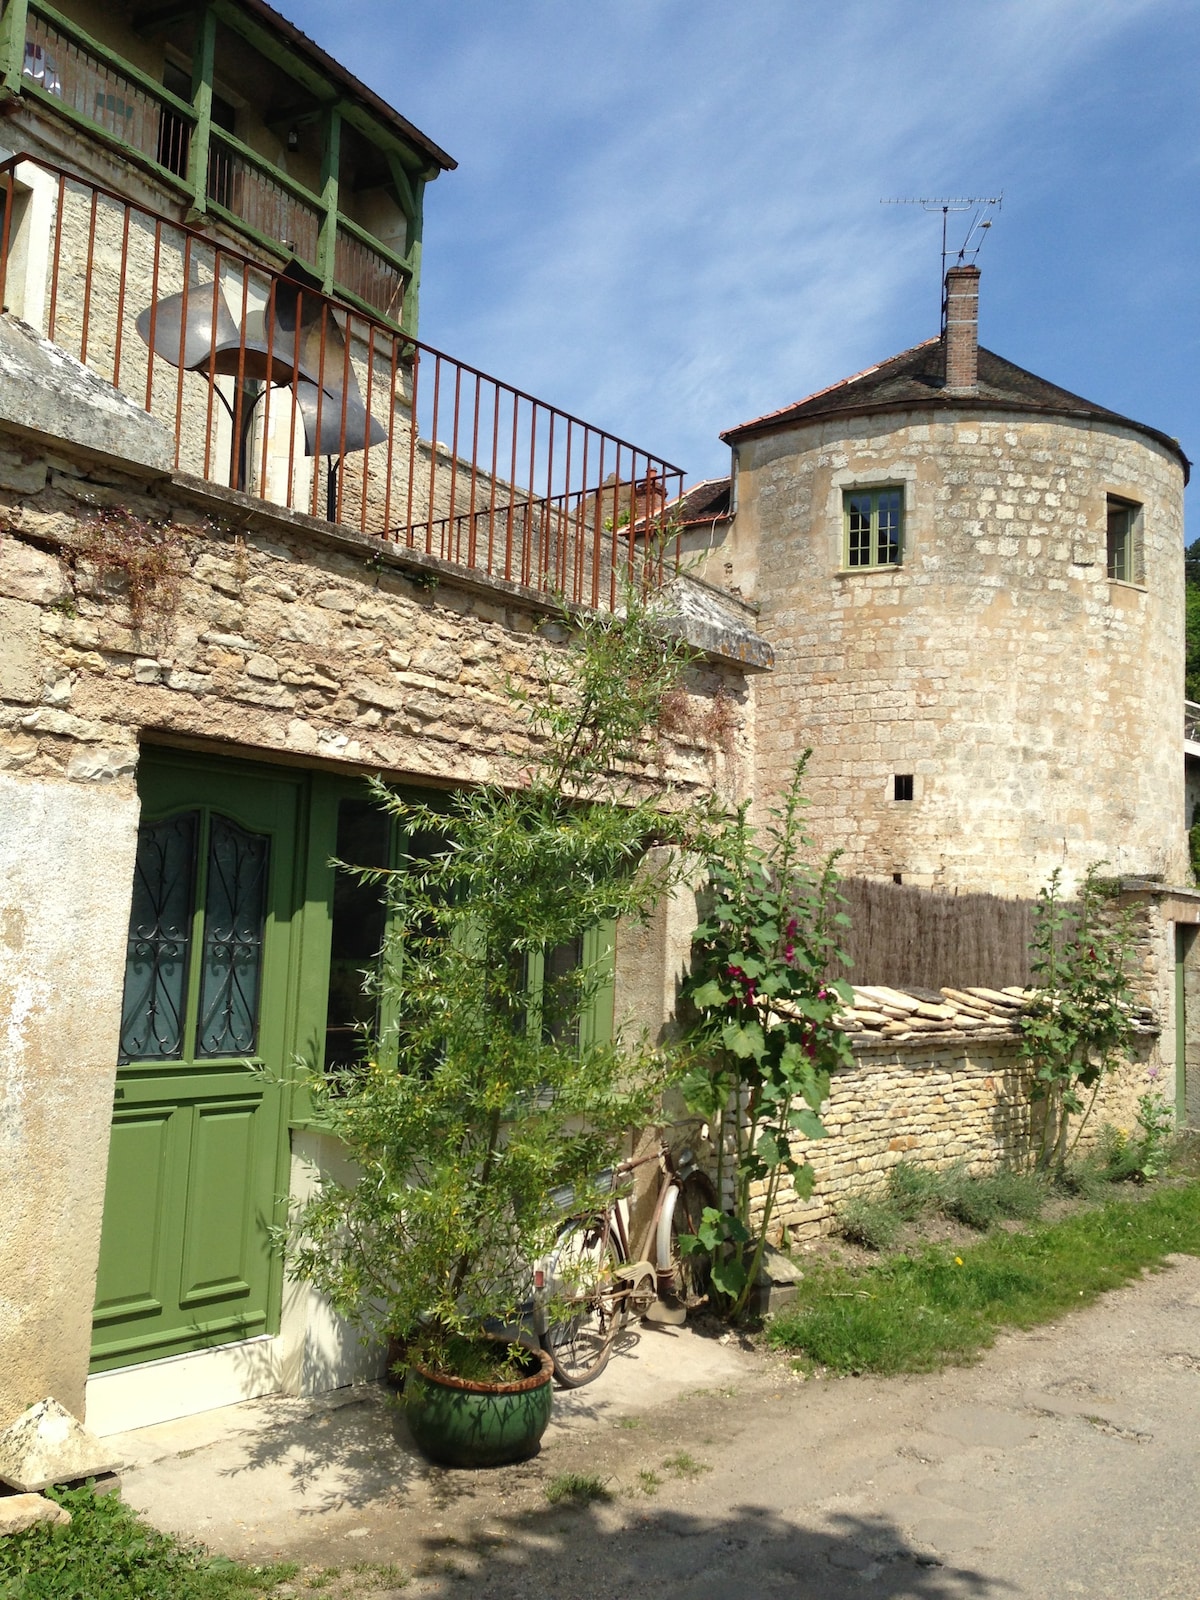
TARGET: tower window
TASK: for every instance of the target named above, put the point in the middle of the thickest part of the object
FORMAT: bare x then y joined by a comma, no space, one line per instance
1124,540
902,786
873,532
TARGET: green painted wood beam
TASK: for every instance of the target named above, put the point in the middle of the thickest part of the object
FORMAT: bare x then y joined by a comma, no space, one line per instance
416,229
275,50
202,93
404,189
13,26
330,160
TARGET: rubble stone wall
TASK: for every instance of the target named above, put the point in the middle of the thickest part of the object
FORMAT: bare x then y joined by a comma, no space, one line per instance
1036,704
282,636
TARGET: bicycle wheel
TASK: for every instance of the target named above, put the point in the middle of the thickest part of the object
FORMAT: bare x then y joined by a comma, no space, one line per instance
693,1272
585,1301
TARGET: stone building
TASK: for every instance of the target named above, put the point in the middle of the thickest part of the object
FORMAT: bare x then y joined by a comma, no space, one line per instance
256,541
972,581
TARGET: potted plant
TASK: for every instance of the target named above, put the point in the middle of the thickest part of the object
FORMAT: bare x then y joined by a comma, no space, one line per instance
491,1084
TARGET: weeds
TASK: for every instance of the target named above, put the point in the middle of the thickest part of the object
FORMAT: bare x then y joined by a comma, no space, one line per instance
107,1553
649,1481
683,1465
873,1223
913,1192
918,1313
577,1488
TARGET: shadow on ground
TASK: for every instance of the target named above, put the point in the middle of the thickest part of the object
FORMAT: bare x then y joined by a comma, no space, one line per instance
578,1552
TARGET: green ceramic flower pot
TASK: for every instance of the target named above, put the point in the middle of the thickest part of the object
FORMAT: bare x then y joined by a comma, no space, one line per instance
459,1423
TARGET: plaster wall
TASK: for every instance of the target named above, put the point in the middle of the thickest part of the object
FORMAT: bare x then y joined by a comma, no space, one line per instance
1036,703
275,636
66,864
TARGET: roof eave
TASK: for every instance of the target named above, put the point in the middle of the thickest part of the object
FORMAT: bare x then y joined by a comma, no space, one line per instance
325,63
935,402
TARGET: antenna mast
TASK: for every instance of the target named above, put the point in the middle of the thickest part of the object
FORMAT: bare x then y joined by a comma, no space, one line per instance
980,223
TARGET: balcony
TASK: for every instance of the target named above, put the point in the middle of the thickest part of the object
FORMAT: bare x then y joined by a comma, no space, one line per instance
303,400
67,72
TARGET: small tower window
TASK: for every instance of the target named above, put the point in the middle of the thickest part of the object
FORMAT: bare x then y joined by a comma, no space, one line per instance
1124,540
902,786
873,533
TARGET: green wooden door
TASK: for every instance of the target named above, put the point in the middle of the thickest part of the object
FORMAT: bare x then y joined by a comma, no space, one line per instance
196,1162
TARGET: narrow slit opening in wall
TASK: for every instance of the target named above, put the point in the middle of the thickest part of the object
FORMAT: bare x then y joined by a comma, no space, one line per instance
897,877
902,786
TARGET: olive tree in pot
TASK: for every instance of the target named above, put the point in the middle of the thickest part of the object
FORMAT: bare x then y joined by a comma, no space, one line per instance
487,1089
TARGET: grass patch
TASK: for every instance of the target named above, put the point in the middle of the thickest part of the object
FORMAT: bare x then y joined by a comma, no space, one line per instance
577,1488
683,1465
649,1481
108,1553
916,1313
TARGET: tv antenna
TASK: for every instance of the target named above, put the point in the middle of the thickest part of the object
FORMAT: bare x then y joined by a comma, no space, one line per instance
976,230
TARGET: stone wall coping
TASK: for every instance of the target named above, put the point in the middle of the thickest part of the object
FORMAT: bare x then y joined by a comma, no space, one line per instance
920,1020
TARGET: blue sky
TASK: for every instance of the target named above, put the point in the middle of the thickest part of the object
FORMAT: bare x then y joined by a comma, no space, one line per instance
666,215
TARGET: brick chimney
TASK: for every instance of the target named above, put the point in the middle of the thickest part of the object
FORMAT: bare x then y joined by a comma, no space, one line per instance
961,338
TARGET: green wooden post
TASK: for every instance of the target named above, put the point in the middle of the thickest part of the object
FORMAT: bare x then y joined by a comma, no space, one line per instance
1181,944
13,26
330,160
202,93
413,256
411,194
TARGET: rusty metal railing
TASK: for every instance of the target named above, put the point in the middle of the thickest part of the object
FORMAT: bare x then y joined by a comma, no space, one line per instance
269,386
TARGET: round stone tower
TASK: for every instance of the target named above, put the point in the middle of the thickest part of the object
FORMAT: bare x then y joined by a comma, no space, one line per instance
973,583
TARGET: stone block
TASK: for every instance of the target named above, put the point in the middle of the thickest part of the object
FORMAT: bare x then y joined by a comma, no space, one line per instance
20,644
30,574
21,1511
47,1445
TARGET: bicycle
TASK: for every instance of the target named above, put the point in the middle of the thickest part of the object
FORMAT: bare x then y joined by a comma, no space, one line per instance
592,1285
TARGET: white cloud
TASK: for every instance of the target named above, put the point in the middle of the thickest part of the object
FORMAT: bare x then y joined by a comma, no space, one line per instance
667,215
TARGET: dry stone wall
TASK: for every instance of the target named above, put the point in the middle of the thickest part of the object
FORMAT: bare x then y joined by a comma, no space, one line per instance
937,1080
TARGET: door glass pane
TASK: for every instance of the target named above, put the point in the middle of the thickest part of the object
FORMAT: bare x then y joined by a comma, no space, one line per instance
359,915
160,930
561,992
235,905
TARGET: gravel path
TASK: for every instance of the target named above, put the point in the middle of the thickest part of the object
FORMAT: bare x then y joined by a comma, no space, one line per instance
1062,1465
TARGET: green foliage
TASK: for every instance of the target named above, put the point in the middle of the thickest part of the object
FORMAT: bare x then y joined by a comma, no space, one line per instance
1191,680
912,1191
917,1313
1143,1155
577,1488
762,1031
481,1360
873,1223
107,1553
476,1102
1079,1023
981,1202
